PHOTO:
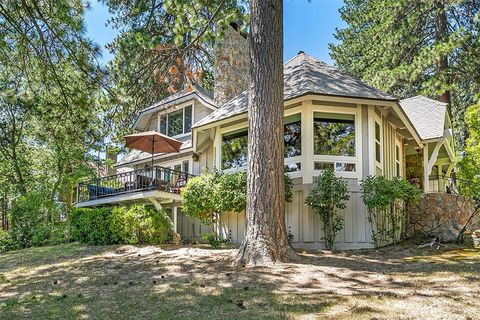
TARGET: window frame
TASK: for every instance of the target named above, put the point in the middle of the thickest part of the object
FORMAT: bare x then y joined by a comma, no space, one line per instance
244,125
175,109
356,112
399,161
378,165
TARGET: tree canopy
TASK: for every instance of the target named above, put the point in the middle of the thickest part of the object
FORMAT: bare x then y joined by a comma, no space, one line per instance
414,47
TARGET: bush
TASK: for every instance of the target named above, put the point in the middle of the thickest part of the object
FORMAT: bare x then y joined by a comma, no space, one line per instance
121,225
6,241
91,226
328,195
385,200
213,240
35,221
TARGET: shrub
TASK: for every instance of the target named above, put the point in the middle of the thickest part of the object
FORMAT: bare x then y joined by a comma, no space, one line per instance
6,241
386,199
121,225
213,240
35,221
328,195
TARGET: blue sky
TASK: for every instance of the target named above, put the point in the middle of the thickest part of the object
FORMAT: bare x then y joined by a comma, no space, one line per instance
309,26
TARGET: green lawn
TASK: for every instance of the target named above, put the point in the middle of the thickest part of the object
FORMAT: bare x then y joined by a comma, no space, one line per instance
160,282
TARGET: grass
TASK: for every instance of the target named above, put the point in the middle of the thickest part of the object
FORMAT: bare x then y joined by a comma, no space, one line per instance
160,282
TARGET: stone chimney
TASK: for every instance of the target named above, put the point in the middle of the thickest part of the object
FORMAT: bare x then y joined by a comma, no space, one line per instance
232,65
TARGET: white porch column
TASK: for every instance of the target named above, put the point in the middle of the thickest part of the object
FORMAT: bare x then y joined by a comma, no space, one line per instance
307,145
426,171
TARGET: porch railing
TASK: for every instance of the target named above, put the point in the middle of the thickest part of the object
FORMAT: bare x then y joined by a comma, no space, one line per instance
155,178
448,184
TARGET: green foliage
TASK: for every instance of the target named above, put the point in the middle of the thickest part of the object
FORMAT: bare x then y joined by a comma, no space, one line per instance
385,200
402,48
213,240
232,192
469,166
213,191
120,225
329,194
6,241
35,221
162,47
200,196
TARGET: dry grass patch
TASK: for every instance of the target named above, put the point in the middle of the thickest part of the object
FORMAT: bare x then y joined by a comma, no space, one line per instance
164,282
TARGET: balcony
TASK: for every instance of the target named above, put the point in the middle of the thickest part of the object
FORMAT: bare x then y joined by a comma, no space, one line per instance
161,184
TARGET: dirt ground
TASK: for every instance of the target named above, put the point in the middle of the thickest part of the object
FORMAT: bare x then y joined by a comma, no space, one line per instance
163,282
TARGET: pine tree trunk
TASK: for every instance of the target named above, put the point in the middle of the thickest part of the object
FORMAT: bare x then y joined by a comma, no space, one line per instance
440,36
266,239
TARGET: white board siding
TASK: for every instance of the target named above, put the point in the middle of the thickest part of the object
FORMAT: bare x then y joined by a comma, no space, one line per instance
306,226
190,229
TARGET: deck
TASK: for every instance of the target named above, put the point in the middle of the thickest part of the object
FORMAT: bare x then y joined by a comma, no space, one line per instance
157,182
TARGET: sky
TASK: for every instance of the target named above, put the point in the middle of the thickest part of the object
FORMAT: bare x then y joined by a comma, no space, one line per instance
308,26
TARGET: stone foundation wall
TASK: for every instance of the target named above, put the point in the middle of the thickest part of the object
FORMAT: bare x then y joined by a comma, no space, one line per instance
443,215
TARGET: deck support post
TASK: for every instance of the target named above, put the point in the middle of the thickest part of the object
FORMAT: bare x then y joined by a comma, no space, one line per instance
175,220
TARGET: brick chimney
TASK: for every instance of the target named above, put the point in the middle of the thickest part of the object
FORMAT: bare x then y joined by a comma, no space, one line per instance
232,65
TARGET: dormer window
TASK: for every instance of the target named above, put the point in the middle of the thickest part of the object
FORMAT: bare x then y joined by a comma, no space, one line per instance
177,122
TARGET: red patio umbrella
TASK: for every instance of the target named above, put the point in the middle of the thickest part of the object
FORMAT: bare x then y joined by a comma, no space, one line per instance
152,142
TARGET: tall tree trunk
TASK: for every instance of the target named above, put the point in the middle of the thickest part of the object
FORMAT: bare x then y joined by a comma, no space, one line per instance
266,239
440,36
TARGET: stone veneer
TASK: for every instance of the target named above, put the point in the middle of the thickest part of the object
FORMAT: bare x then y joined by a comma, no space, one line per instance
443,215
232,66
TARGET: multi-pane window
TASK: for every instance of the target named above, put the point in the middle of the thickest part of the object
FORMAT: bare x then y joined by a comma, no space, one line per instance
334,134
176,122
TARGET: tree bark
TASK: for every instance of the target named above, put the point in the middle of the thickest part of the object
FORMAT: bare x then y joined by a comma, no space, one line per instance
266,239
440,36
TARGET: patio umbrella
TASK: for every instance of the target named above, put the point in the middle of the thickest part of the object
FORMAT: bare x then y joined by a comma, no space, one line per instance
152,142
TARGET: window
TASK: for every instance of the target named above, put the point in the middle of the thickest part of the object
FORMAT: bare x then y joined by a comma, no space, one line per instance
345,167
334,134
319,165
163,124
187,119
176,122
185,166
378,143
335,166
292,167
292,136
397,161
235,144
234,149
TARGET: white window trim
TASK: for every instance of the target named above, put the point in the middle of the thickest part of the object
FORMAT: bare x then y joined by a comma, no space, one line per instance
244,125
398,143
173,109
356,112
378,165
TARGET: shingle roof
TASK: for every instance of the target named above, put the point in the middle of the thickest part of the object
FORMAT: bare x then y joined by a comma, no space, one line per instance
304,74
426,115
201,92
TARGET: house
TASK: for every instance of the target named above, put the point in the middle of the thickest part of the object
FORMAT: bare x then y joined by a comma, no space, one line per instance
332,120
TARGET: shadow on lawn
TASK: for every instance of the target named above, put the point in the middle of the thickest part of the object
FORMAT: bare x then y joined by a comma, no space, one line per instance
74,281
